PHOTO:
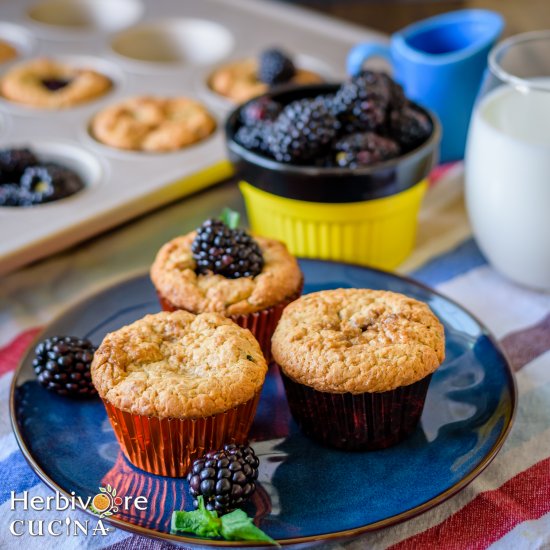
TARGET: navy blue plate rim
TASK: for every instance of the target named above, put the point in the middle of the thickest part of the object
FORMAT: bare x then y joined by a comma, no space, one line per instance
345,534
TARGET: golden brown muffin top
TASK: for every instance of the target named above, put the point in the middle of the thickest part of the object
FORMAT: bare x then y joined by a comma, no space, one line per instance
358,340
23,83
173,274
179,365
238,80
151,123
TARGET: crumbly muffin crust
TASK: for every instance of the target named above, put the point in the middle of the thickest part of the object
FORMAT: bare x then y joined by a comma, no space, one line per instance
156,124
358,340
23,84
239,80
7,51
173,274
179,365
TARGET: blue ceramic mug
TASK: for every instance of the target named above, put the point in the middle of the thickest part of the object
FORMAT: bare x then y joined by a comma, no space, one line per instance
440,62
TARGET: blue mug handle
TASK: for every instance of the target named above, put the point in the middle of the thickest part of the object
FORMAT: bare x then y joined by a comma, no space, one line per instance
360,53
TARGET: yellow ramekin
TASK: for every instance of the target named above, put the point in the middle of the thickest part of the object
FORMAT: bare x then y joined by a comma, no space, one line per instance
366,215
377,232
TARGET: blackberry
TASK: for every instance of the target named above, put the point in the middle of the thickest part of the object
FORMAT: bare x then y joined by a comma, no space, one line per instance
225,478
275,67
362,103
303,131
13,162
220,249
263,109
364,149
253,138
409,126
49,182
54,84
62,364
10,194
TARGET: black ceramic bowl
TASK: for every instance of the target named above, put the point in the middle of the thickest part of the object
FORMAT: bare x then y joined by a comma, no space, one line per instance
332,185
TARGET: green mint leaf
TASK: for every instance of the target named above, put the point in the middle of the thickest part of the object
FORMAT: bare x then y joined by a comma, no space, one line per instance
238,526
230,218
201,522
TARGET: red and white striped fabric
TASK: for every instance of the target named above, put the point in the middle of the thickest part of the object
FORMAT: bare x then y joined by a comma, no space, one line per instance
506,507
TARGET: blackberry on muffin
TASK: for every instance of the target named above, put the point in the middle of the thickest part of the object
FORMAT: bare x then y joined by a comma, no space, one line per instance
276,67
224,269
244,79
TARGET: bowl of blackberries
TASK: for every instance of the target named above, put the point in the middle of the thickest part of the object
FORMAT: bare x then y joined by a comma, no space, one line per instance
26,179
326,164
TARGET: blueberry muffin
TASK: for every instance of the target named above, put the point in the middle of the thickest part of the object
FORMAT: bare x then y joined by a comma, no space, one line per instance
244,79
176,384
356,364
154,124
224,270
49,84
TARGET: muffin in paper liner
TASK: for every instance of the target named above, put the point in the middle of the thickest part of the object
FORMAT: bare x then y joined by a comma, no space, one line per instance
356,364
168,446
175,385
261,323
354,422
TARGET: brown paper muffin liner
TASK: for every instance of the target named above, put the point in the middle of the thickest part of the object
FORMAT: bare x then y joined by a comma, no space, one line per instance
365,421
168,446
261,324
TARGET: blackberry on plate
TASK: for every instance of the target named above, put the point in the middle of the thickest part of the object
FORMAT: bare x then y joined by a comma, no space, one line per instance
13,162
62,364
303,131
260,110
225,250
409,126
362,102
275,67
225,478
364,149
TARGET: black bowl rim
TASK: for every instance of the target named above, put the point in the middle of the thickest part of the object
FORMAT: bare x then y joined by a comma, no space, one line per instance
232,119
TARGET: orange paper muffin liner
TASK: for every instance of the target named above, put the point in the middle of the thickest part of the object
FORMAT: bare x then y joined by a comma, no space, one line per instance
261,323
168,446
354,422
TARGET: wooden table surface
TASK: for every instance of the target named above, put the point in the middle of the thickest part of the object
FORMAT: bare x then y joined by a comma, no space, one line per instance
390,16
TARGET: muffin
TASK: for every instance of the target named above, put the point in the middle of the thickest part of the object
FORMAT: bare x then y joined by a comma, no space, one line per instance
7,51
176,385
356,365
244,79
154,124
49,84
192,272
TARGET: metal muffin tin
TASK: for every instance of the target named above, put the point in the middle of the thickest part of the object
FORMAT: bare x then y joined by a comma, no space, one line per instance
163,47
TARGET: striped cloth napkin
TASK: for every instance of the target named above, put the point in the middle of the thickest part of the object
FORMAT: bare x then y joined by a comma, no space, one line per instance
507,506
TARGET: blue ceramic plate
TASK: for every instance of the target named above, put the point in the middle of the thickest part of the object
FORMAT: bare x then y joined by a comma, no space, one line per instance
306,492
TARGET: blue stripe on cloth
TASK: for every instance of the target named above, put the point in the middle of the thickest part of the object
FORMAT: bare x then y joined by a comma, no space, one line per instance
17,476
462,259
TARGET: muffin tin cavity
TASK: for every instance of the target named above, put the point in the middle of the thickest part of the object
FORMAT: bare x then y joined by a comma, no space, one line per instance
174,41
86,15
17,37
76,159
